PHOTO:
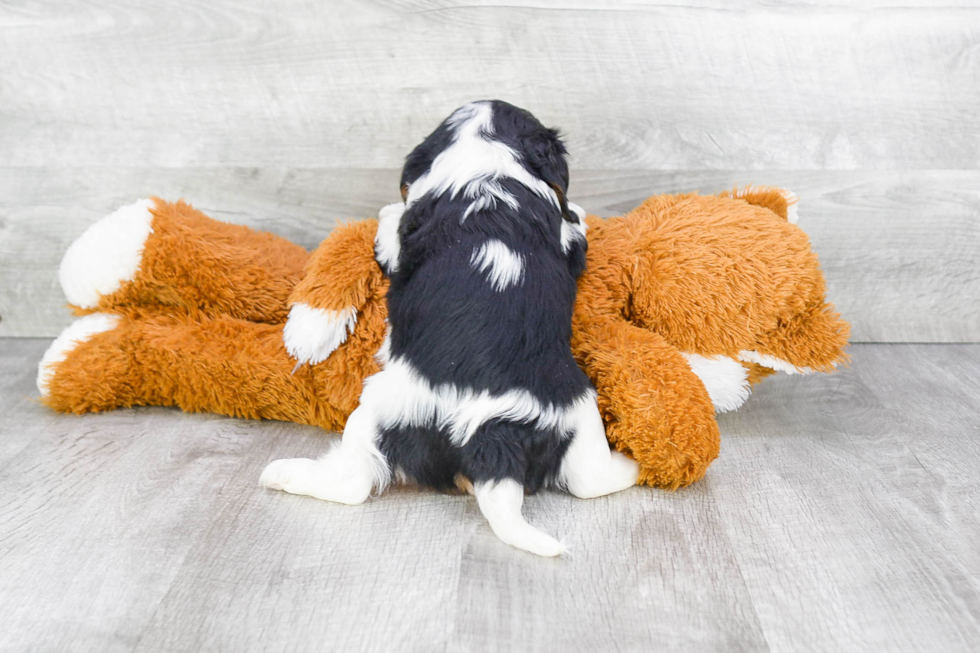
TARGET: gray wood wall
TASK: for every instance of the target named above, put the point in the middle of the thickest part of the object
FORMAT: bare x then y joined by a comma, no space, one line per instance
292,115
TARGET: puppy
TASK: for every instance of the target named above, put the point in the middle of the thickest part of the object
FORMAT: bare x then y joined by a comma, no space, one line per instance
479,387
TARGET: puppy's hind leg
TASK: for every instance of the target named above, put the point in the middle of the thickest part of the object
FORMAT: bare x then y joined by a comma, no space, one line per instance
589,469
345,474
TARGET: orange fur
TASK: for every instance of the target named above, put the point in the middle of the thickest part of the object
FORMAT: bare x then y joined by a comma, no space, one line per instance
202,321
342,272
194,264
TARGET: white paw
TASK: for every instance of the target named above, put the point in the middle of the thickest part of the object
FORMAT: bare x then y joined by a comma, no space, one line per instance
331,478
291,475
312,334
624,469
107,254
81,330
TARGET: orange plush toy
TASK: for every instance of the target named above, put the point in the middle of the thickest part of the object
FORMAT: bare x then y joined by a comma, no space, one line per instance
685,302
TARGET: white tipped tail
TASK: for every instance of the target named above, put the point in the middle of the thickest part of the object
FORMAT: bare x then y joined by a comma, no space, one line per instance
500,502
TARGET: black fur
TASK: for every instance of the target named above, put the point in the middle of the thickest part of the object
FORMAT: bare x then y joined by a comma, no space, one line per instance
449,322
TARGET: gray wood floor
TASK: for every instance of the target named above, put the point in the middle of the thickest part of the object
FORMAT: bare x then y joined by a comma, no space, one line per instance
841,516
899,249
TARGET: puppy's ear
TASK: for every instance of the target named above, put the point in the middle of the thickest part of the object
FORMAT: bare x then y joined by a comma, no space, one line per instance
546,156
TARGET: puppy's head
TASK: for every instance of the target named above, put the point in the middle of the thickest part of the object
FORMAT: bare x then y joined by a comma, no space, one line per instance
488,140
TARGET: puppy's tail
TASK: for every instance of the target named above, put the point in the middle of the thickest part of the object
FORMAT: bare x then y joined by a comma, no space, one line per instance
500,502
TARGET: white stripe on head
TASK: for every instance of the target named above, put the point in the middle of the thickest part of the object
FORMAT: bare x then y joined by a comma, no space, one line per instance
504,266
474,161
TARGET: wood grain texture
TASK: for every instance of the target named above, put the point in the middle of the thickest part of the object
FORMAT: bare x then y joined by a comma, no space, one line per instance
899,249
841,516
354,83
833,512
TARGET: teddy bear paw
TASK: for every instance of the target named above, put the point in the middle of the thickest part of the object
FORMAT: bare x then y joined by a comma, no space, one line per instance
79,331
312,334
725,379
106,255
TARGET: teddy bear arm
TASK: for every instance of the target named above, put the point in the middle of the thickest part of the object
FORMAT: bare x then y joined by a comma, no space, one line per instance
812,340
341,276
654,407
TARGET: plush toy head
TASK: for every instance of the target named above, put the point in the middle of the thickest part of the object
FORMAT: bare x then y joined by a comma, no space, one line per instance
689,299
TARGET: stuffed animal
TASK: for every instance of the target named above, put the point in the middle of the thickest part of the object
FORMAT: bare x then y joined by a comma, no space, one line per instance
685,302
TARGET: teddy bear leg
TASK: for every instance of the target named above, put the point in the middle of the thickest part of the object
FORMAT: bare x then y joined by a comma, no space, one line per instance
220,365
156,256
78,333
655,408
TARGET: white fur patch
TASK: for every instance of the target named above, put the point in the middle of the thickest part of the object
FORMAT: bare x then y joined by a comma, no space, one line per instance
387,247
400,396
504,266
577,210
589,469
81,330
573,232
772,362
383,355
107,254
489,192
726,381
472,163
312,334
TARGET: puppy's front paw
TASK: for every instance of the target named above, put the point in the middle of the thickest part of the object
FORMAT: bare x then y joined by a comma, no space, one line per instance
289,475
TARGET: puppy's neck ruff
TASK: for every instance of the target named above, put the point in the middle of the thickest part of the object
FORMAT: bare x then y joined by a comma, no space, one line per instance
473,163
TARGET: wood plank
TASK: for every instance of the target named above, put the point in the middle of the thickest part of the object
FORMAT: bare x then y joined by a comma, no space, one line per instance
96,517
840,516
652,85
899,249
847,538
272,571
648,569
18,396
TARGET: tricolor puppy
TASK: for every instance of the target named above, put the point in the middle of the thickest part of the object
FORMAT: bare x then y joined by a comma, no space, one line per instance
479,387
